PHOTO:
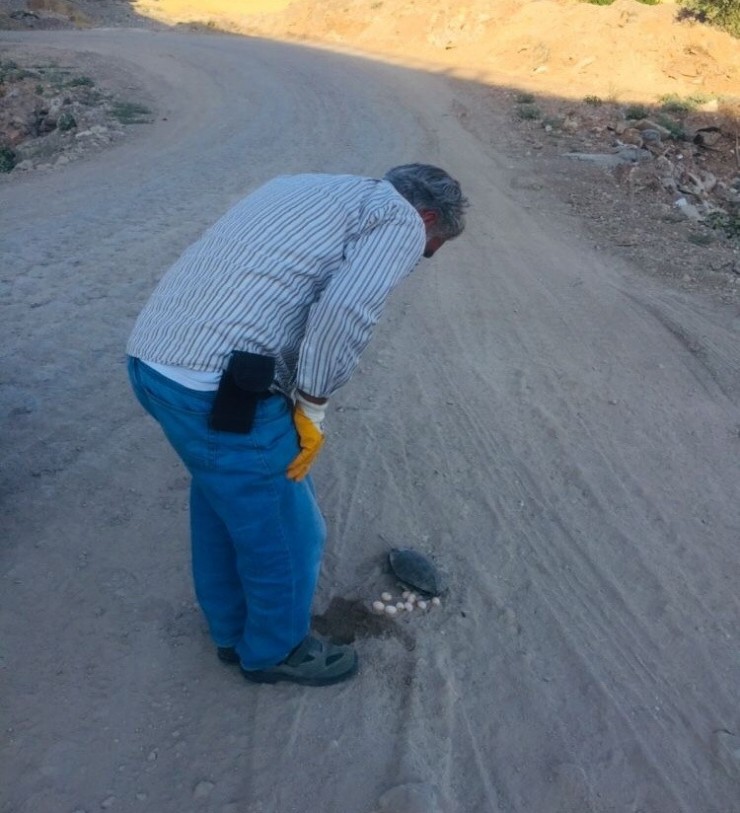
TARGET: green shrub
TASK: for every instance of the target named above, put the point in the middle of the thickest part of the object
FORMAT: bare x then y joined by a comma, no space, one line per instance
724,14
8,159
524,98
675,104
674,128
727,222
66,121
595,101
80,82
528,111
609,2
555,122
131,113
636,111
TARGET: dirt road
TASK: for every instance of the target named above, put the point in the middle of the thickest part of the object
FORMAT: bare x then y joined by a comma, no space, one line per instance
560,432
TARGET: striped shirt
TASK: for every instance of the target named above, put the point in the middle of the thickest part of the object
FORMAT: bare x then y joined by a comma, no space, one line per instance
299,270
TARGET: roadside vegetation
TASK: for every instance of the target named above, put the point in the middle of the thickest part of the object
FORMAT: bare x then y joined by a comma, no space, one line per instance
51,109
681,151
724,14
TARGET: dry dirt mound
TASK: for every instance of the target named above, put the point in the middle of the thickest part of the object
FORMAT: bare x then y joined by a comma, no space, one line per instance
628,51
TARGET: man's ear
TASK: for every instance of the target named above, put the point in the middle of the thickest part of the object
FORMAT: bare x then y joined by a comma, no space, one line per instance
429,216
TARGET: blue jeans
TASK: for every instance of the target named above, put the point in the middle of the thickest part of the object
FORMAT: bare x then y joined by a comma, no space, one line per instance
257,537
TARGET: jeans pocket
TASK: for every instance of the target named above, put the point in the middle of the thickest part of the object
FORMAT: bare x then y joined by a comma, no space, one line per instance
182,414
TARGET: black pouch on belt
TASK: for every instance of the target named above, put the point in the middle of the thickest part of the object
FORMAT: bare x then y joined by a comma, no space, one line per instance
245,381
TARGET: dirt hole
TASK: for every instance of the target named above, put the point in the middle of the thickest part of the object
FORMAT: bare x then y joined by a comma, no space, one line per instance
347,620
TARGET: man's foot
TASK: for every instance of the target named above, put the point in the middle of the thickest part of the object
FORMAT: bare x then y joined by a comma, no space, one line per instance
311,663
227,654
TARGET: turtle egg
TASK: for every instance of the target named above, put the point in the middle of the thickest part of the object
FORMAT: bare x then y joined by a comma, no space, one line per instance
422,605
409,606
405,595
412,597
400,606
436,601
390,609
386,596
378,606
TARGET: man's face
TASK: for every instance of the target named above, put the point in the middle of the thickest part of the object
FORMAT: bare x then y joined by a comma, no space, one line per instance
433,243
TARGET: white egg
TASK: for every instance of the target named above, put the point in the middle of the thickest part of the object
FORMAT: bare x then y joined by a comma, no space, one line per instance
390,609
408,606
378,606
386,596
422,605
412,597
400,605
405,595
436,601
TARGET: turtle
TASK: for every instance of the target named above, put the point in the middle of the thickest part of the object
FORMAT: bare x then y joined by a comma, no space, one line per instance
416,570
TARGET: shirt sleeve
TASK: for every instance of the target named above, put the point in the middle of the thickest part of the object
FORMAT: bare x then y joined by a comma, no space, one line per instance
341,322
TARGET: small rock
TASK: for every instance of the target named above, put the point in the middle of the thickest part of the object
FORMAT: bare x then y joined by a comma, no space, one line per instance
106,804
203,788
153,754
571,123
141,797
650,136
410,798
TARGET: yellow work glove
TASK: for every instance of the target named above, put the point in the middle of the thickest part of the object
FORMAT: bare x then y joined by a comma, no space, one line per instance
308,418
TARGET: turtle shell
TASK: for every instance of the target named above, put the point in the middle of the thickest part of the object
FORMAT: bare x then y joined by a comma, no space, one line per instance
416,570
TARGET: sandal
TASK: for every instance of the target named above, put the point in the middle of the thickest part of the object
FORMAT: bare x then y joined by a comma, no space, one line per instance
311,663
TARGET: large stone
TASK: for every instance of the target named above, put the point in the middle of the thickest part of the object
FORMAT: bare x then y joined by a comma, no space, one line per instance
688,210
648,124
624,155
707,137
631,135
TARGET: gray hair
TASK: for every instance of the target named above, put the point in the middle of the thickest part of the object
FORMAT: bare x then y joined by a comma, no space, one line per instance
427,187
